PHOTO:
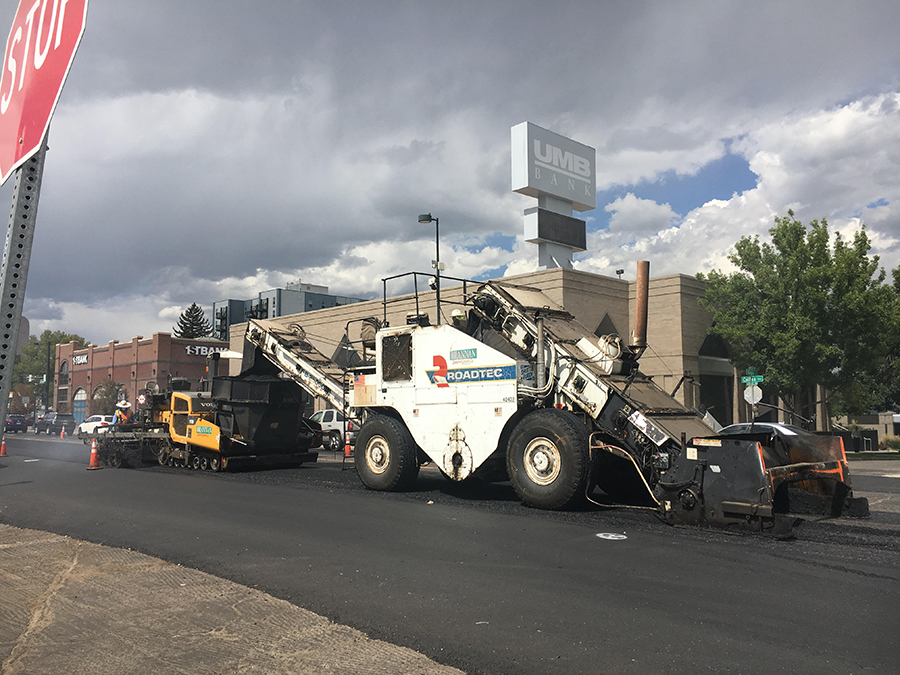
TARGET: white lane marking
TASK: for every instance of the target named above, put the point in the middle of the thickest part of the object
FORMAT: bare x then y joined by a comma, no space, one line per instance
31,460
612,536
890,475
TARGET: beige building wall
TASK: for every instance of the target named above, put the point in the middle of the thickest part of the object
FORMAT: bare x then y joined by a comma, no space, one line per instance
677,325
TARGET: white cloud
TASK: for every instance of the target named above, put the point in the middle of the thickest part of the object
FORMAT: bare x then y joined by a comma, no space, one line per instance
633,217
828,163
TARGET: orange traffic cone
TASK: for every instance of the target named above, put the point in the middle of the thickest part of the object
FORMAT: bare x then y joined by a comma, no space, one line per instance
3,448
347,445
95,459
62,433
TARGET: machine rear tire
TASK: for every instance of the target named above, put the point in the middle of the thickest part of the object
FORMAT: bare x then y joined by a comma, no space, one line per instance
548,459
386,455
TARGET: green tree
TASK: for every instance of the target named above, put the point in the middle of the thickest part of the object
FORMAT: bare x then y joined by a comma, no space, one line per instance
105,398
806,313
193,323
31,364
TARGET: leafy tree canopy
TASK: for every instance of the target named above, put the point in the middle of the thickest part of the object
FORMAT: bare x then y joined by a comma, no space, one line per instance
33,359
805,312
31,364
105,398
193,323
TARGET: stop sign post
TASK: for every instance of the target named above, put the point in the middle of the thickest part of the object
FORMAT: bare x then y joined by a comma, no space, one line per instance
42,42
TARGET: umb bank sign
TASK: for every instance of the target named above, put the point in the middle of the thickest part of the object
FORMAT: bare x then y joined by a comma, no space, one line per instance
561,174
545,163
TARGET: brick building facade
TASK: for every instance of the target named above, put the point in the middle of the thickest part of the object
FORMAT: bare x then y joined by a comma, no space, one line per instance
132,365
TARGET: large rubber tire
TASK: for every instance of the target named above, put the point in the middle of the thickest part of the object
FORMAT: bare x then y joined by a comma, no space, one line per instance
548,459
386,455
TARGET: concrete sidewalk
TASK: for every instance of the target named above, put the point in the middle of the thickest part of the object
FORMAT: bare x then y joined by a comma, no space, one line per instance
68,606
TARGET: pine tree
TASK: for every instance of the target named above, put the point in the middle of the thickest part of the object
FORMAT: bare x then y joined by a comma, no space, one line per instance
193,323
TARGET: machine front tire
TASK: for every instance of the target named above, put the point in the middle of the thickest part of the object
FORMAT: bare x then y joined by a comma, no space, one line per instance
386,455
548,459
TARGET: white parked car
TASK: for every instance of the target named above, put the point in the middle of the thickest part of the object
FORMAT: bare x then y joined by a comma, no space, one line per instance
90,427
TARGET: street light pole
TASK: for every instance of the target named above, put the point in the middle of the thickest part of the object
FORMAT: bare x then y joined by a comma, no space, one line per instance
436,263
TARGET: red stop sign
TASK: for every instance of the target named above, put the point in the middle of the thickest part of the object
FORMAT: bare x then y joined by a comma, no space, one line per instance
39,52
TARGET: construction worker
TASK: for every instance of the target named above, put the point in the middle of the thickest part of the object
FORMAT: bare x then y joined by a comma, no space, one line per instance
459,319
123,413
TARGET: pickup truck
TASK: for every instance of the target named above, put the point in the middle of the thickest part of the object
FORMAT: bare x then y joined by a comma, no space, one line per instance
332,422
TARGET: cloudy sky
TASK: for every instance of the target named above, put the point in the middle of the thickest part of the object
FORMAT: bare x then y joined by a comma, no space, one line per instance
211,149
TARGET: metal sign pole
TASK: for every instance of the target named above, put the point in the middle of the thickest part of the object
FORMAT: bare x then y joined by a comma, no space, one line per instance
14,271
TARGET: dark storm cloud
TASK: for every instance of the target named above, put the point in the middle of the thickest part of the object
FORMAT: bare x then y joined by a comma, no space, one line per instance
219,139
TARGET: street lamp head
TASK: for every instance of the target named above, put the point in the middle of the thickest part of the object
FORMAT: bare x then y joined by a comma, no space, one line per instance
426,218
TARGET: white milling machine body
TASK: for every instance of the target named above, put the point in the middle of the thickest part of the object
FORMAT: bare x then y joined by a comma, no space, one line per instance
467,396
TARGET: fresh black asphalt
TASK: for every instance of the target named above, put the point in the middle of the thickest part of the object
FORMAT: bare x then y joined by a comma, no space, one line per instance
473,579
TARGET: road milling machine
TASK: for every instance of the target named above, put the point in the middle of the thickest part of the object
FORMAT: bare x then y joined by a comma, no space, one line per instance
255,417
518,389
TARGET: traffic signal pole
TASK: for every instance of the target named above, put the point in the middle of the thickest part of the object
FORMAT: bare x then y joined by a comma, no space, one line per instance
14,270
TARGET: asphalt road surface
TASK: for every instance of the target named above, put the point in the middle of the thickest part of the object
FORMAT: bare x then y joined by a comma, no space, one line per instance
473,579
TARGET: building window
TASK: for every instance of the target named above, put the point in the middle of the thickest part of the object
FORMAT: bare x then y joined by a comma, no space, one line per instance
79,405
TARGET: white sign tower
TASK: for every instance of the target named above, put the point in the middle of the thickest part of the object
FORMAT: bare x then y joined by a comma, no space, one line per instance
561,173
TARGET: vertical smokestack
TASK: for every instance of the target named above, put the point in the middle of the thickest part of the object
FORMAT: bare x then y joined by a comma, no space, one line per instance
639,336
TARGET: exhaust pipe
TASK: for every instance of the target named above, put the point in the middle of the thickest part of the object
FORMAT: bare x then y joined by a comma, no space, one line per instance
540,380
639,336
